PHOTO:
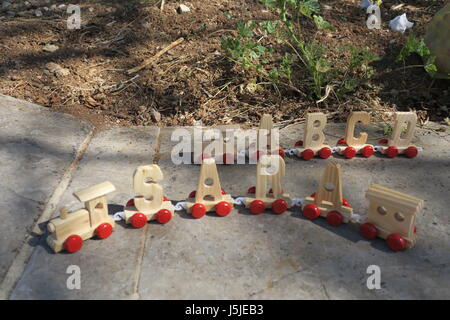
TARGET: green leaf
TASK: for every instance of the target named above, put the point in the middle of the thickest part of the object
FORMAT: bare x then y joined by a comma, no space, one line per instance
309,7
269,26
245,29
322,24
227,15
274,74
430,66
322,65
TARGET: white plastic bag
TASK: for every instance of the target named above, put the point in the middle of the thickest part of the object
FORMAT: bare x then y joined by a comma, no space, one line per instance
365,4
400,23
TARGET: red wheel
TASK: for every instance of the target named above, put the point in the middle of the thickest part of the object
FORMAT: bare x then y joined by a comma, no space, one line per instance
258,154
334,218
201,157
138,220
383,141
198,210
307,154
342,142
299,143
349,152
104,230
271,191
391,152
130,203
325,152
279,206
222,191
411,152
163,216
165,198
251,190
345,203
73,243
257,206
311,211
367,151
192,194
396,242
223,208
368,231
281,153
228,158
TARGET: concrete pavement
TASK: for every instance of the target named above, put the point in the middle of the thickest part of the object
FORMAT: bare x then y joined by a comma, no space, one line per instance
240,256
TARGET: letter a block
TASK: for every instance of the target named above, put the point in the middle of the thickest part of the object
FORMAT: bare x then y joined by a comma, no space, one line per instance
209,196
270,169
327,201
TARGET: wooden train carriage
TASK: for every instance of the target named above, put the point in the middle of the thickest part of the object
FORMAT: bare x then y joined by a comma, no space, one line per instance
392,216
270,169
327,201
149,202
350,146
70,229
314,138
400,141
209,195
267,140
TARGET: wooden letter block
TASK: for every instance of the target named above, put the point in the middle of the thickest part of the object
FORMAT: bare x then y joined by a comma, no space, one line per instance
327,201
353,145
270,169
402,145
209,195
314,138
149,203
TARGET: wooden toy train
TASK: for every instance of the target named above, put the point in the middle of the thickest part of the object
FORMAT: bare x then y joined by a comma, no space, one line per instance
391,214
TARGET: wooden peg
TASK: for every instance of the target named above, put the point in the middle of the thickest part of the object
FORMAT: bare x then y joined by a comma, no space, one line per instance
391,216
63,213
69,230
149,202
327,201
314,138
209,195
270,169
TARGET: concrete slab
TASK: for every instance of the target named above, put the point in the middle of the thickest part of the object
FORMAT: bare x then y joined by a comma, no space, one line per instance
37,147
110,267
288,257
242,256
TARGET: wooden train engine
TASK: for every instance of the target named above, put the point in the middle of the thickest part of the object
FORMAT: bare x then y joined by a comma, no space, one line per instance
70,229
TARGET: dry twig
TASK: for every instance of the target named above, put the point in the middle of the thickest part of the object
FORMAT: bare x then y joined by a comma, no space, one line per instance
155,57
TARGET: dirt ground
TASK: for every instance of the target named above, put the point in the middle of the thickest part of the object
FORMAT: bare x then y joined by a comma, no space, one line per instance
194,80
